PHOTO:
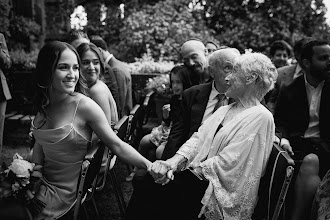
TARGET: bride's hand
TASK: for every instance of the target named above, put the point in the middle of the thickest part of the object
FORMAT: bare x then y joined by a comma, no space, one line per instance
159,170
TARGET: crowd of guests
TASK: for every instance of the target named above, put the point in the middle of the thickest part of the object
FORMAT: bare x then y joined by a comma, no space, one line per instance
206,158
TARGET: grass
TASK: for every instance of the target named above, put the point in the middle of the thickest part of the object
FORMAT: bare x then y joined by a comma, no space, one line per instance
16,140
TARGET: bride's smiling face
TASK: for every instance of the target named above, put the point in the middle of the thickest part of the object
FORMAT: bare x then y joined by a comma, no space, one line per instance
66,73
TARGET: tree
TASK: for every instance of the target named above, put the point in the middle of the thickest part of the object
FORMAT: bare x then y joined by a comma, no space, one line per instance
4,17
256,24
162,27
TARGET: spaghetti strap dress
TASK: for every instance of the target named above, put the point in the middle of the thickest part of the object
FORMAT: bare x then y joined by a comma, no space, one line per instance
64,149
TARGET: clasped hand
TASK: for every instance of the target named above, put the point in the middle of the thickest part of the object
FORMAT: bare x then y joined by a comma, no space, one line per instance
161,171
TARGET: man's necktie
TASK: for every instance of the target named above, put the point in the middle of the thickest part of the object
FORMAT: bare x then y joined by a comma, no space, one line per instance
221,98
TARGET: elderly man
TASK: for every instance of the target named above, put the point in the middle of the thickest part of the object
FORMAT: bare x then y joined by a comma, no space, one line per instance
194,55
199,103
302,117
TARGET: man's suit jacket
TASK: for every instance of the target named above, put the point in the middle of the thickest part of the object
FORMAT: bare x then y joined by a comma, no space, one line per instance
5,64
124,82
285,78
111,81
285,75
292,110
194,103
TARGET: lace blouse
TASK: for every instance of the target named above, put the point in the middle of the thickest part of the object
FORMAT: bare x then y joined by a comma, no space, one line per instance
233,160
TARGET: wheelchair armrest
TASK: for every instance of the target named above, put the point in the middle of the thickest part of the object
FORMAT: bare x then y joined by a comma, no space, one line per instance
90,155
135,108
290,161
147,98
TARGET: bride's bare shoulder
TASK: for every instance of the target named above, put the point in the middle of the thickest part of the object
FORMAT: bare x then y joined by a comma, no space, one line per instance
86,104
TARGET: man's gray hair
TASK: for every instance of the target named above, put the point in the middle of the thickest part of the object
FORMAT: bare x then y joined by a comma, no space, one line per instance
218,55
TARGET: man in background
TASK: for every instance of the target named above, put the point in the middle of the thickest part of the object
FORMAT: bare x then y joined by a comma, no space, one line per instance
287,74
302,118
194,55
123,77
77,37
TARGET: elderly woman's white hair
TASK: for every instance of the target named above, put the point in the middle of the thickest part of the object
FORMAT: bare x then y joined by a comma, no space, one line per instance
260,64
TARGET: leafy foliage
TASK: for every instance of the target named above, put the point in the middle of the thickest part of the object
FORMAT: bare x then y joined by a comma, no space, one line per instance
4,16
147,65
22,28
256,24
163,26
160,85
23,60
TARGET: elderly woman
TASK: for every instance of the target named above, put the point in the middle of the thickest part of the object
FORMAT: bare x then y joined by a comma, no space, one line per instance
229,152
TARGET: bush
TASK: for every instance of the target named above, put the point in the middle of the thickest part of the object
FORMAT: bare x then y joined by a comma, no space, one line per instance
159,84
147,65
22,60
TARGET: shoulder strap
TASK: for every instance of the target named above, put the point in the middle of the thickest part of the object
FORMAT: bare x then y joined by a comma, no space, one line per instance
74,116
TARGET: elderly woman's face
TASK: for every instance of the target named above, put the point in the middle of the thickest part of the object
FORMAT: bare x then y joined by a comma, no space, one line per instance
236,84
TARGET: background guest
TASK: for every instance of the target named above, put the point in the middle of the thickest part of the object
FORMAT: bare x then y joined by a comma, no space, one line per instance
280,52
91,69
5,64
211,46
194,55
108,76
302,118
77,37
123,78
287,74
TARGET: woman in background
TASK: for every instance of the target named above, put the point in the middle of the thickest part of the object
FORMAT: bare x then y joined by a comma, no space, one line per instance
92,67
